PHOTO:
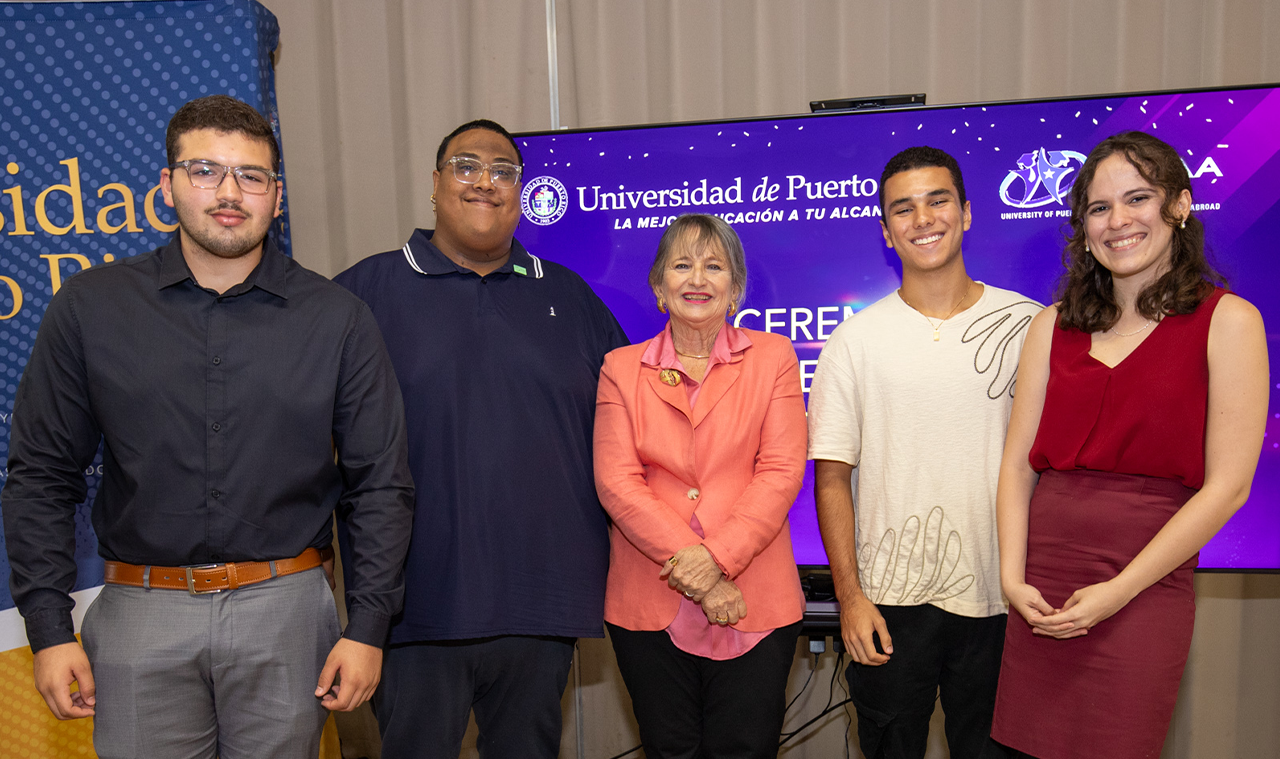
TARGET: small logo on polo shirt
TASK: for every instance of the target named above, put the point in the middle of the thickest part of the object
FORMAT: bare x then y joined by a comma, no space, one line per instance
553,310
518,269
544,200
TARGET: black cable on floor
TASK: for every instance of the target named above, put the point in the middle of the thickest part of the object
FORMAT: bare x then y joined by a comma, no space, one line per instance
824,713
800,693
831,691
627,752
831,694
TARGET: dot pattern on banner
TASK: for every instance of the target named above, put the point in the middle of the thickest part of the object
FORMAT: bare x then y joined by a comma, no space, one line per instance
27,728
86,93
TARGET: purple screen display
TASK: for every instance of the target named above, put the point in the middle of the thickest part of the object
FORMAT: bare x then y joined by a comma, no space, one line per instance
801,191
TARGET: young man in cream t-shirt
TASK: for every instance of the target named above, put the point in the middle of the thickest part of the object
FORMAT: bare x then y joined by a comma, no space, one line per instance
910,401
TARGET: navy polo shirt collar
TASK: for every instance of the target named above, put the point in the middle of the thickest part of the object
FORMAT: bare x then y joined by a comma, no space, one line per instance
270,275
425,258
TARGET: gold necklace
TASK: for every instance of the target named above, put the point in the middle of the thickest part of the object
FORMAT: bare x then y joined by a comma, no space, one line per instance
937,327
690,355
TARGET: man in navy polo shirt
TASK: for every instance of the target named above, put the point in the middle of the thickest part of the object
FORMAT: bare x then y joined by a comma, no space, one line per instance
497,353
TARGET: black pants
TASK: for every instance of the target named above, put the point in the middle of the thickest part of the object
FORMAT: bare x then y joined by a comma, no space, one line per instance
691,707
514,683
934,652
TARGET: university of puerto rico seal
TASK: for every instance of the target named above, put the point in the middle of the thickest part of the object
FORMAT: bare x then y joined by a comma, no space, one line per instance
544,200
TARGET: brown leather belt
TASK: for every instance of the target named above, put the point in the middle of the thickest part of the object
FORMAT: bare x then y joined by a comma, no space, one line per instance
212,578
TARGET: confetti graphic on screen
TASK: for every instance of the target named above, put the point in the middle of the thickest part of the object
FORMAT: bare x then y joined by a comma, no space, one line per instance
803,194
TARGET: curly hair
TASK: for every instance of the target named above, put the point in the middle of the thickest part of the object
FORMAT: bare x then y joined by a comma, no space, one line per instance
1085,295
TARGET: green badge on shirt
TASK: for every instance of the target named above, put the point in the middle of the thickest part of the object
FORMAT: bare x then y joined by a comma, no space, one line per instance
518,269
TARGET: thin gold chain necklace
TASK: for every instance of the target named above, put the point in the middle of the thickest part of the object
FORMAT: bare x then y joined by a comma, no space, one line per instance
937,335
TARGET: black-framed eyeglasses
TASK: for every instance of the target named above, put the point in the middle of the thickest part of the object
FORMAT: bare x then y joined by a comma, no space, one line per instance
468,171
207,175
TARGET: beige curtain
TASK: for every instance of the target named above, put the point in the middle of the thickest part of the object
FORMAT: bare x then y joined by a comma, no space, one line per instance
367,88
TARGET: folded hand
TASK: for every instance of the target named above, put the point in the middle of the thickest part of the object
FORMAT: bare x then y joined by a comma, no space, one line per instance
692,571
1084,609
724,604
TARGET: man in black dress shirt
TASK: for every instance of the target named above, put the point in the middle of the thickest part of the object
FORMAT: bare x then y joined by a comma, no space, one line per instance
219,376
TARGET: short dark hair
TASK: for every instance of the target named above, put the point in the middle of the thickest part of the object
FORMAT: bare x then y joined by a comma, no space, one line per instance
1086,298
922,157
702,229
221,113
486,124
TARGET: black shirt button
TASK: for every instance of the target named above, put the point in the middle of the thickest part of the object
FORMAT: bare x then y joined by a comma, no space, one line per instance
216,426
217,360
215,493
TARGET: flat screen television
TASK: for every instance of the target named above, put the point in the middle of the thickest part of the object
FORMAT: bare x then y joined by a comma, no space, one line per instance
801,191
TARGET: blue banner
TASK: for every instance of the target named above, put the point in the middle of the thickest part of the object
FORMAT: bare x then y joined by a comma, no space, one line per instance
86,92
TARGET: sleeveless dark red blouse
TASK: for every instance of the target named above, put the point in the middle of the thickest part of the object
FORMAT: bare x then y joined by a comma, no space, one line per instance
1145,416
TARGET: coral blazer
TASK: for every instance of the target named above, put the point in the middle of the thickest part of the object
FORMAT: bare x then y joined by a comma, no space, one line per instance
736,460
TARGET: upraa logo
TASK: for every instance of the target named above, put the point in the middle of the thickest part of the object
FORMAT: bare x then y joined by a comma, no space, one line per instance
544,200
1042,177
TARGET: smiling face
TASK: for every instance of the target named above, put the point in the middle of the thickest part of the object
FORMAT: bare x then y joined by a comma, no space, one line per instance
224,222
1124,224
697,283
476,221
924,221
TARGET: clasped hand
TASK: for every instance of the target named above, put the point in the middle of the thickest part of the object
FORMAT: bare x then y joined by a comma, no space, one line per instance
692,571
724,604
1083,610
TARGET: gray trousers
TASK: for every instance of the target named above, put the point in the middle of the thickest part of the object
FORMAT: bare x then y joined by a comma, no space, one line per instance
231,674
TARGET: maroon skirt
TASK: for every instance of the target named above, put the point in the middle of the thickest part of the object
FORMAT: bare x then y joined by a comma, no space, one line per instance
1110,693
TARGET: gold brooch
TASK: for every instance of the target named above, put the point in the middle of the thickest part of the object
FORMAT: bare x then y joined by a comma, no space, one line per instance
669,376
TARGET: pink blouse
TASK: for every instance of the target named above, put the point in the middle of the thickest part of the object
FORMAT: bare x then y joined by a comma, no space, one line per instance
690,631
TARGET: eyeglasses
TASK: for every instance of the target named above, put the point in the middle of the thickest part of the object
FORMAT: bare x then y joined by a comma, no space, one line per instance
469,170
207,175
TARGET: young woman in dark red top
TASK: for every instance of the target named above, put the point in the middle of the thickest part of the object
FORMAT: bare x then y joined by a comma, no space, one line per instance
1136,429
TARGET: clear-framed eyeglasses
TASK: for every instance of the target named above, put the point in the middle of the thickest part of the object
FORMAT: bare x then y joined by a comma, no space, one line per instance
207,175
468,171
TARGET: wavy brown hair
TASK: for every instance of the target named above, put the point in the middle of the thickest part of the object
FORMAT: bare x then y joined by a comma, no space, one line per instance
1086,298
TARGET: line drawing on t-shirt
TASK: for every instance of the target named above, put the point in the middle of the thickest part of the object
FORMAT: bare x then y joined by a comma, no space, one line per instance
998,330
918,568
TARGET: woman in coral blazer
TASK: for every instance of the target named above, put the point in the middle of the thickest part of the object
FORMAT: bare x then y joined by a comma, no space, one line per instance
699,453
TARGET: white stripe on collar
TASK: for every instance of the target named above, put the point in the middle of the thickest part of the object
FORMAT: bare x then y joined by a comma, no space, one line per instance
408,254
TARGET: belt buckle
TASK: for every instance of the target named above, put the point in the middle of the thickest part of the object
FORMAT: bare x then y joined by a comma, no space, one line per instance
191,582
